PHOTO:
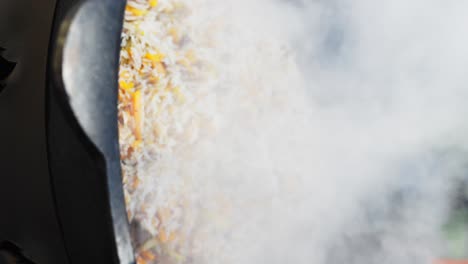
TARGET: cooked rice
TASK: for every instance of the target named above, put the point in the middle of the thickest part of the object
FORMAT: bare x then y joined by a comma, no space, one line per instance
170,101
159,112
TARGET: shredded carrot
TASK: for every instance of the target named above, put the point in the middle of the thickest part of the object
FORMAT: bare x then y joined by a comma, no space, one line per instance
137,112
140,260
136,144
155,57
162,236
136,11
153,80
148,255
120,96
129,51
135,183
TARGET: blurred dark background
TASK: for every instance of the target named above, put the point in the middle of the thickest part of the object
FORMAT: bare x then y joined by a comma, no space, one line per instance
27,215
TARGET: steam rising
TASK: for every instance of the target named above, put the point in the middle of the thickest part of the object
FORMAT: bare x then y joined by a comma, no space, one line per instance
339,130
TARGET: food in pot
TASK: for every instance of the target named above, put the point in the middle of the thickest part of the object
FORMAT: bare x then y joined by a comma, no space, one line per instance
158,114
195,87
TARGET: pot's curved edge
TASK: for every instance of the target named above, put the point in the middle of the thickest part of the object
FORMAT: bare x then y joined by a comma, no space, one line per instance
82,131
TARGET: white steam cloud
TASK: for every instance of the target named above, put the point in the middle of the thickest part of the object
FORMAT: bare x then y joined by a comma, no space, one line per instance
341,130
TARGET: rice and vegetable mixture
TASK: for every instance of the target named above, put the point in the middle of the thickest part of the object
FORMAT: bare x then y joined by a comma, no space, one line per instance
199,99
159,113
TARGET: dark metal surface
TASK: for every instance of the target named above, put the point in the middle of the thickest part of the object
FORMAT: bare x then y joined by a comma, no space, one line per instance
82,133
77,215
6,68
27,215
12,254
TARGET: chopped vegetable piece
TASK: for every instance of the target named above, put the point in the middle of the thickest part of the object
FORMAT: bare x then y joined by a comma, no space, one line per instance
137,112
153,3
126,85
155,57
136,11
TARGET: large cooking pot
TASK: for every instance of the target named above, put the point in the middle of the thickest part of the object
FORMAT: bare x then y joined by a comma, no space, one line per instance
76,213
61,190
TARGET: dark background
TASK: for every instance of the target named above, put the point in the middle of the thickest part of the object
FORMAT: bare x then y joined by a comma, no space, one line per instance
27,215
